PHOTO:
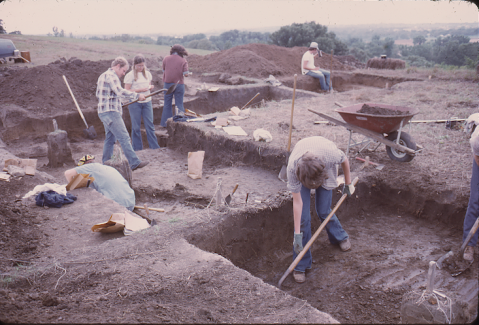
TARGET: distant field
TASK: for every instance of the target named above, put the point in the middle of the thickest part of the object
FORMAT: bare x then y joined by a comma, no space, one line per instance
44,49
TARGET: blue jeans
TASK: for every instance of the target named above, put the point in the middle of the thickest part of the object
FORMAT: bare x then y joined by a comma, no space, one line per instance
323,76
472,212
115,129
336,233
167,107
137,111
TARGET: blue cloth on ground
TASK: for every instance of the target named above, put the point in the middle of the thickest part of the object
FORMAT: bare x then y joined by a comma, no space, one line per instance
53,199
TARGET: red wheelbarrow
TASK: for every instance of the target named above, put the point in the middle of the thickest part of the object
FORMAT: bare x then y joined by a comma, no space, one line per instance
386,129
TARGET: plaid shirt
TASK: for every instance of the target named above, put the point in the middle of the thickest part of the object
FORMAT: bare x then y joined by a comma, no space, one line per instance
109,92
327,151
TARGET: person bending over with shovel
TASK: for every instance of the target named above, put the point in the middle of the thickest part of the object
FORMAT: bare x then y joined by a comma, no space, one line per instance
107,180
109,93
313,164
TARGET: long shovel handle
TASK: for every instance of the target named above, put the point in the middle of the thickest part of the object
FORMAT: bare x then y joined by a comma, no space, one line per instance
76,104
249,101
316,234
471,233
152,94
292,110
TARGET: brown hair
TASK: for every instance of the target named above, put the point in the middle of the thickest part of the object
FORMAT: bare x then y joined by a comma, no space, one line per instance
310,171
121,61
178,49
137,60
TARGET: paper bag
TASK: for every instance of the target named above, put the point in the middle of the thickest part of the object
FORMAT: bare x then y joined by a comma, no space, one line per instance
195,164
29,165
114,224
80,180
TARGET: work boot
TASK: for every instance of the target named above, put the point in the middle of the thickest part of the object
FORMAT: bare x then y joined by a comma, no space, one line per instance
345,245
468,254
299,277
141,165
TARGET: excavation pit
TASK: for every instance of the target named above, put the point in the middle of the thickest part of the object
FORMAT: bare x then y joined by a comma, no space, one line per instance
180,270
390,253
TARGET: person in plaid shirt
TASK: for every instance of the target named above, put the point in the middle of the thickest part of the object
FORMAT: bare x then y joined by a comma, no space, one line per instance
313,164
109,93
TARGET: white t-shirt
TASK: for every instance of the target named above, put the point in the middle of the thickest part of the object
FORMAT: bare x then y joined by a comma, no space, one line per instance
474,141
309,57
141,82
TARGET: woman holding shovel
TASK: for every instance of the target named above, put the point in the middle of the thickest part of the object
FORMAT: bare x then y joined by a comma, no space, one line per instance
139,80
175,68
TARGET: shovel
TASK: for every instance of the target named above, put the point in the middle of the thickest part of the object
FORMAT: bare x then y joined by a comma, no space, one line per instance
461,251
283,175
313,238
229,197
170,90
89,132
378,166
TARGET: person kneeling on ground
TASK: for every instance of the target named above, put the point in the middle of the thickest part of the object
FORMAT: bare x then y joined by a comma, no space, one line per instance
472,212
313,164
108,181
309,69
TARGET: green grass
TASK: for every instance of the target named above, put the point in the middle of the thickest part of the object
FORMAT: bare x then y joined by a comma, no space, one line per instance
46,49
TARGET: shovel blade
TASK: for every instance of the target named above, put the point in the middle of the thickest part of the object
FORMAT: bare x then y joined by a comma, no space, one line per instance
379,167
283,174
90,133
172,89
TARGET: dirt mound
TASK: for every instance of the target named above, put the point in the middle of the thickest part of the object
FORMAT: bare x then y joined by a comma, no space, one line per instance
43,87
260,61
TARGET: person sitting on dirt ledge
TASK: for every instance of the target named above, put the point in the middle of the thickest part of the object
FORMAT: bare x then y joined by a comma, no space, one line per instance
108,181
109,92
313,164
472,212
309,69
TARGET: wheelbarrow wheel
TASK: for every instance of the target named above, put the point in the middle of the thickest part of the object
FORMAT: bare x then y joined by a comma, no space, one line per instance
406,141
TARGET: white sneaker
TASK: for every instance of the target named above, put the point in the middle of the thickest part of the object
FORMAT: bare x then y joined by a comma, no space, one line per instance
469,254
345,245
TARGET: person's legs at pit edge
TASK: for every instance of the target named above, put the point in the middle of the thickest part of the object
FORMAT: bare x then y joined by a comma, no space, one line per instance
179,94
473,207
327,78
147,113
320,76
135,110
113,122
323,200
168,102
307,259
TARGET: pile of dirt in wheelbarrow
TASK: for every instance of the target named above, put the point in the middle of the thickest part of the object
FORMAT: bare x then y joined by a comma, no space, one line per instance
378,110
260,61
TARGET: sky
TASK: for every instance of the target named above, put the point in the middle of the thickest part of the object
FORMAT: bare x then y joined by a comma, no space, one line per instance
181,17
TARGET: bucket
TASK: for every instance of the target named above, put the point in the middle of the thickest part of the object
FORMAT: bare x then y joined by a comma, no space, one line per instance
26,55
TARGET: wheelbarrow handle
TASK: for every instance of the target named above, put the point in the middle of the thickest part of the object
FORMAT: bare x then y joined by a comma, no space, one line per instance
316,234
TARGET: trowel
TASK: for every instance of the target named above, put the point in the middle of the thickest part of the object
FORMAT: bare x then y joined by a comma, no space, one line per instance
377,166
229,197
169,91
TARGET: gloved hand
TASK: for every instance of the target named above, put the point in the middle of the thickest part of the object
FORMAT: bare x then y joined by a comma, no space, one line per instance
348,189
298,243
